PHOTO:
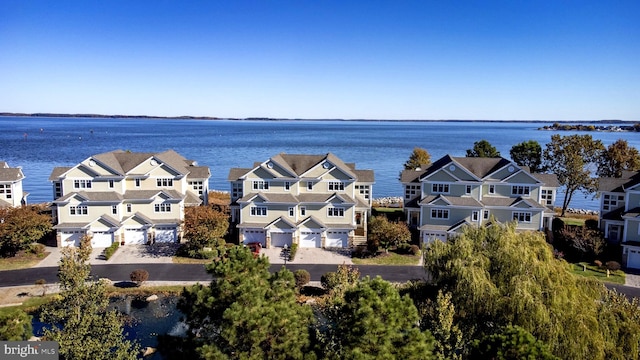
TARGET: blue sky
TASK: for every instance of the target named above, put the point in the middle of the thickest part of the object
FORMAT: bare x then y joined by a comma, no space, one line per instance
502,60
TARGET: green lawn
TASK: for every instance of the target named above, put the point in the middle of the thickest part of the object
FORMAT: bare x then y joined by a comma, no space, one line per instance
617,277
573,221
388,259
187,260
21,261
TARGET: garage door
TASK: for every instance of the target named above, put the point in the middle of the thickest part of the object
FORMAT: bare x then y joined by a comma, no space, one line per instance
255,236
280,239
165,234
429,237
101,239
310,239
339,239
135,236
71,238
633,260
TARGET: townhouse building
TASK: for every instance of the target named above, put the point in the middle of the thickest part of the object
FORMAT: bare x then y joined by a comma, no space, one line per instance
453,192
11,193
620,214
310,200
126,197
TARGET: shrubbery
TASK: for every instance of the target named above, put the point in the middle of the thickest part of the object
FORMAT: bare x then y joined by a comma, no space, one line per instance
293,251
108,252
139,276
302,277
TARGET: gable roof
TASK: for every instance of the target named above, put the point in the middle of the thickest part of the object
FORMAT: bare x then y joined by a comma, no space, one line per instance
611,184
299,164
10,174
482,167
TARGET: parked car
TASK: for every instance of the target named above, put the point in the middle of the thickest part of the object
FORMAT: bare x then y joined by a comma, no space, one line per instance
255,248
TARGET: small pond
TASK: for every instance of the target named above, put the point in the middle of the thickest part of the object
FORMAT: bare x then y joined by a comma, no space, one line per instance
145,319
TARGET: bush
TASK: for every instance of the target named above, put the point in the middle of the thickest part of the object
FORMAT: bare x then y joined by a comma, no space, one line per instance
612,265
597,263
361,252
36,249
293,251
302,277
591,224
108,252
139,276
414,250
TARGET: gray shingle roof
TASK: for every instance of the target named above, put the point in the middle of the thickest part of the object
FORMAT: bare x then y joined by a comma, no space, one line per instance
481,167
58,171
198,172
547,179
611,184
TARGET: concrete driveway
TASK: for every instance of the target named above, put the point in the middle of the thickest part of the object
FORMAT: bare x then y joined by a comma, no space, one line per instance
310,256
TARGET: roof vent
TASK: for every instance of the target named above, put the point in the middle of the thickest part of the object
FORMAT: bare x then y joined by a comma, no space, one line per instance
452,168
153,162
92,163
511,168
270,165
326,165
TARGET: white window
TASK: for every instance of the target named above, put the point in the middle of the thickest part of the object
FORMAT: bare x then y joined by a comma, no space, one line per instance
111,183
547,197
335,212
82,184
78,210
164,207
492,189
197,186
128,208
336,186
410,191
303,211
292,211
439,213
287,185
440,188
260,185
364,190
258,211
164,182
475,215
520,190
6,190
114,209
522,216
467,189
137,181
611,202
485,214
310,185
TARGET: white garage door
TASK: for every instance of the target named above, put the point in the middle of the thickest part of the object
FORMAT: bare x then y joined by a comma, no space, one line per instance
281,239
429,237
165,234
71,238
310,239
101,239
255,236
135,236
338,239
633,261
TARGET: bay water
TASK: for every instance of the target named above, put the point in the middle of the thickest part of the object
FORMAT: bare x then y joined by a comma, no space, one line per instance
38,144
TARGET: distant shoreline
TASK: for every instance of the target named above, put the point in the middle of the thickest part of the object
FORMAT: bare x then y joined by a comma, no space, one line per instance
188,117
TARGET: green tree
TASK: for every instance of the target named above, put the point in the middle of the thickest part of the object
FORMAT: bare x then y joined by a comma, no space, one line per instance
80,320
246,312
511,343
374,322
204,227
15,325
448,337
483,148
386,234
20,227
499,277
617,158
419,158
571,159
528,153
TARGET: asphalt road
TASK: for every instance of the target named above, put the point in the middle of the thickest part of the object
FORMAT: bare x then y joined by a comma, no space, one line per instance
196,272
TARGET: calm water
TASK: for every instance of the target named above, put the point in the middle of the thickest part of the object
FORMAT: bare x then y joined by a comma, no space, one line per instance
383,146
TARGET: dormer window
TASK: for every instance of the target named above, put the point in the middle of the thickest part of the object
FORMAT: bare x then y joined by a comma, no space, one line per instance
520,190
336,186
492,189
440,188
260,185
164,182
82,184
310,185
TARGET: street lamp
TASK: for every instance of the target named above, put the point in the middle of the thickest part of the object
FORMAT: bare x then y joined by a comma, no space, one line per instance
285,250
